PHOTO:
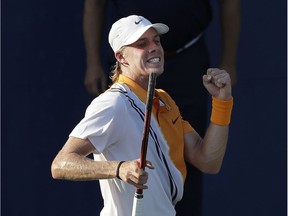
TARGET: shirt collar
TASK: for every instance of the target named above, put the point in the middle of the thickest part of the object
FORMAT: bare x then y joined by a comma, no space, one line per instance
137,89
141,93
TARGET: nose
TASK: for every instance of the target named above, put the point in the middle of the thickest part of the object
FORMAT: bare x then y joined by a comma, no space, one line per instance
153,47
151,50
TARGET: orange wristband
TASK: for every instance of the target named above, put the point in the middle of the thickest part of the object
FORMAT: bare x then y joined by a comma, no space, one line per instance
221,111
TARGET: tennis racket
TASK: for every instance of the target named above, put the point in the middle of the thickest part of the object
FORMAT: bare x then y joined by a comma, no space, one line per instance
138,198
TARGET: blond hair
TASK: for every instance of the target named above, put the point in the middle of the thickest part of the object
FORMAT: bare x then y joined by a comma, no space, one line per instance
116,69
115,72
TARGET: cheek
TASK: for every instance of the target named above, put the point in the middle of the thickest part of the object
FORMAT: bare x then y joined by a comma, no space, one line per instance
137,59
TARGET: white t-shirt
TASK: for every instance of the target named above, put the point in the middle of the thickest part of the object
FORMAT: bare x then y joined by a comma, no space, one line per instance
114,123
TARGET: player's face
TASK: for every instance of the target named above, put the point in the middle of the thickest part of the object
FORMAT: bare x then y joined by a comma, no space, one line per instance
146,55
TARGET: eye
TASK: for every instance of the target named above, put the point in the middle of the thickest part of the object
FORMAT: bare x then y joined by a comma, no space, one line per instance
157,41
141,43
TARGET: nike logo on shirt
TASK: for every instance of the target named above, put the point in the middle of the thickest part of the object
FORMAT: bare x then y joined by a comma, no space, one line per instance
175,120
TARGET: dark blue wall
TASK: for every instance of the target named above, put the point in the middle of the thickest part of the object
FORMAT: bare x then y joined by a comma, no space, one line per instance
43,97
253,178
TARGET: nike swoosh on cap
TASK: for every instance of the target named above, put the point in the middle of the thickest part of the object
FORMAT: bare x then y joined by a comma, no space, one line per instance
138,21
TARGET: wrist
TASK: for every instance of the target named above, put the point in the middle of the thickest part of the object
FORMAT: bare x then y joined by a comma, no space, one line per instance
118,169
221,111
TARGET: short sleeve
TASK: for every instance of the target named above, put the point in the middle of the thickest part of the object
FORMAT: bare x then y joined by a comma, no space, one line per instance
103,122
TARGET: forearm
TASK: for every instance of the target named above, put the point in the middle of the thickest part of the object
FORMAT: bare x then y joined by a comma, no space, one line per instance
77,167
207,154
230,16
213,148
215,140
93,19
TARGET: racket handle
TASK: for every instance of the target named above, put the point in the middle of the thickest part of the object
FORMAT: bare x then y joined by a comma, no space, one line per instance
137,209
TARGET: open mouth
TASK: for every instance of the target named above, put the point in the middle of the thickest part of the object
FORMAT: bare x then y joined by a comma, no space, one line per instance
154,60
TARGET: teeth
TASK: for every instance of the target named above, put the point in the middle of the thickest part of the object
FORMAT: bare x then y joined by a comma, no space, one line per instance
154,60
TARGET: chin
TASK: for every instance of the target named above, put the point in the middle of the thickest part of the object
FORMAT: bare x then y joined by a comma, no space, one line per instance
158,71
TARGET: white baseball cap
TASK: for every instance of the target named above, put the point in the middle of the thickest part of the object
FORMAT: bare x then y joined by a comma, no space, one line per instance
129,29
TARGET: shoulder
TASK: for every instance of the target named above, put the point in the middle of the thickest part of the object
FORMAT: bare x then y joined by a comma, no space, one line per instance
114,100
165,97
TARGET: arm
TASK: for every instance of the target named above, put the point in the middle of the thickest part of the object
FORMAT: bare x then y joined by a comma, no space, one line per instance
230,18
207,154
93,19
72,163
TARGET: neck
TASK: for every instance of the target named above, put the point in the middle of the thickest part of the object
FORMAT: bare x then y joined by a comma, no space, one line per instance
140,79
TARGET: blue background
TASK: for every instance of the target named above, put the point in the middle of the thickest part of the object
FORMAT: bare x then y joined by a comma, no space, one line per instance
43,97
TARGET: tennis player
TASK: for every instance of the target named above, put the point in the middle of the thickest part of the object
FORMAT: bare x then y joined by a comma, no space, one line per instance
113,124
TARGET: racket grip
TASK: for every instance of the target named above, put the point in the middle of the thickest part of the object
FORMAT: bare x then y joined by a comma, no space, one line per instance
137,209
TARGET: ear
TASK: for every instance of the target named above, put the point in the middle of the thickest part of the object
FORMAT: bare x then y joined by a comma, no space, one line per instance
120,58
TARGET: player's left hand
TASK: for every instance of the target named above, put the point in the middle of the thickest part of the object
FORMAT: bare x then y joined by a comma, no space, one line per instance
218,83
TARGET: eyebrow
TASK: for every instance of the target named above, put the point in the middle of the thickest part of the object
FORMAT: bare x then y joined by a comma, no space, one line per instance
145,38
